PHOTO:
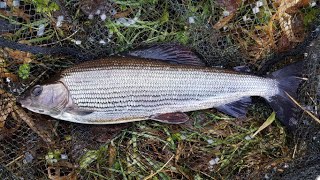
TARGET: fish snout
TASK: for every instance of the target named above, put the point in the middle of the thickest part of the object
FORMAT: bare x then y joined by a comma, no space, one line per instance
24,101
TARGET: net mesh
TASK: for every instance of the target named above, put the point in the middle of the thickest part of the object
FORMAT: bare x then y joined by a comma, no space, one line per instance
224,33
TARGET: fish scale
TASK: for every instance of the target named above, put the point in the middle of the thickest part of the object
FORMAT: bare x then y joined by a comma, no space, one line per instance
152,86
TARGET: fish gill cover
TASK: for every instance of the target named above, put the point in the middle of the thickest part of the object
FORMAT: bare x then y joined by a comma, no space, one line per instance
212,145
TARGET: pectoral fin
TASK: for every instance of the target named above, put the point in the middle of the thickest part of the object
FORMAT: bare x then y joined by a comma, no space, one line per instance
77,111
171,118
236,109
243,69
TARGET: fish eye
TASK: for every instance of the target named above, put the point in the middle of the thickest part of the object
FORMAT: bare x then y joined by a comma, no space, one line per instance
37,90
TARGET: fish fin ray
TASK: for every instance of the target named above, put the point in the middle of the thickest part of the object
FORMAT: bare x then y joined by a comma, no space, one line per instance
243,69
285,109
288,83
236,109
172,53
171,118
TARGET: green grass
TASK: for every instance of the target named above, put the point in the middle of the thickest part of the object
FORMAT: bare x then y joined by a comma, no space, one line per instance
184,151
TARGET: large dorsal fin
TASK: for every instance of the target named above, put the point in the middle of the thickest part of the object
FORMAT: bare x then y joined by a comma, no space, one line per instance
172,53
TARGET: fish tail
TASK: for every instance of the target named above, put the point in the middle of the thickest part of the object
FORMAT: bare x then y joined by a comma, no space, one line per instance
288,80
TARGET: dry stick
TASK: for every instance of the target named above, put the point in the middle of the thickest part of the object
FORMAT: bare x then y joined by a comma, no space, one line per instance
15,160
308,112
159,170
53,43
43,134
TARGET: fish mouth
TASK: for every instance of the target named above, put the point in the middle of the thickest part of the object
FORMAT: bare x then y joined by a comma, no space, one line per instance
25,102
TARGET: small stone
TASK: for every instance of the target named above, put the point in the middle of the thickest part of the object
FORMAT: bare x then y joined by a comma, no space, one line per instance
259,4
121,21
113,12
248,137
214,161
280,170
77,42
102,42
183,137
16,3
3,5
64,156
40,31
28,157
255,10
210,141
103,17
59,21
131,21
226,13
90,16
191,20
313,4
110,34
245,18
98,12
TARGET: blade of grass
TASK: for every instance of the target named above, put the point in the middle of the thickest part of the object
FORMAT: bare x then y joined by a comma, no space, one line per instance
270,119
159,170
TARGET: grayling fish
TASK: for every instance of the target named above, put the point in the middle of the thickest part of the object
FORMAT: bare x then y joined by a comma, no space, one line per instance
137,87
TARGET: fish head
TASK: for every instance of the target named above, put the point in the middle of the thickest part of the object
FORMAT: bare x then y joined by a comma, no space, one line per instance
49,99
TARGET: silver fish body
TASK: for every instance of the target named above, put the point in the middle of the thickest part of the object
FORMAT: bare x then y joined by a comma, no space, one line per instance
132,88
121,90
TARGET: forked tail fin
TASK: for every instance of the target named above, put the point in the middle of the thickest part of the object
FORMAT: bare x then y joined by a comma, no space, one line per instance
288,79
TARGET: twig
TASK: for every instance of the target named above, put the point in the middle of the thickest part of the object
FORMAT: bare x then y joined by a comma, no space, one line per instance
308,112
294,151
13,161
42,133
56,42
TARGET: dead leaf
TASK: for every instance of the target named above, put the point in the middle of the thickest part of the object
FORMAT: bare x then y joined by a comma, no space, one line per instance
43,133
24,57
286,13
179,152
54,172
231,6
16,12
12,77
222,22
112,155
123,13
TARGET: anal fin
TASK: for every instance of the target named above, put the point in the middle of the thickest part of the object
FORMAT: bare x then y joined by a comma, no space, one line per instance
171,118
236,109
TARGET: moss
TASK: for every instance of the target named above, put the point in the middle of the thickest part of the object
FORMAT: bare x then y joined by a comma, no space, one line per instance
45,6
310,15
24,71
